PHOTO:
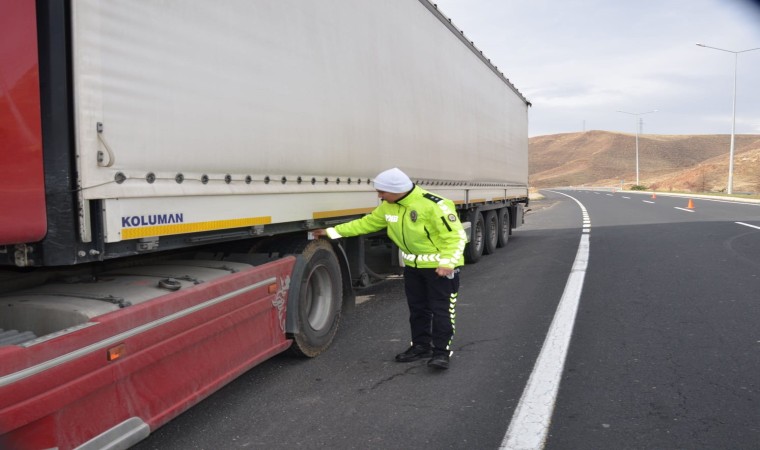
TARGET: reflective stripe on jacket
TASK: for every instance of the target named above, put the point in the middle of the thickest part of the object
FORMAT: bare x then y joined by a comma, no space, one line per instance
424,226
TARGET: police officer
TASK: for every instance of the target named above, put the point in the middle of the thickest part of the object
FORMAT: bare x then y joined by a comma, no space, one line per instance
431,239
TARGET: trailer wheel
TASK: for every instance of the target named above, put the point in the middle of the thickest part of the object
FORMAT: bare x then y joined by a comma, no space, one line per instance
505,227
474,249
319,301
491,232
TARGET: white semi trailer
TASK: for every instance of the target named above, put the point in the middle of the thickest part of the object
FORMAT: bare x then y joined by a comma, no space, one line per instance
164,162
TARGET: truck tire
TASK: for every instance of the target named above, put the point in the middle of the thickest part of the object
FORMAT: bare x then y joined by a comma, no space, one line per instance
491,232
505,227
319,300
474,249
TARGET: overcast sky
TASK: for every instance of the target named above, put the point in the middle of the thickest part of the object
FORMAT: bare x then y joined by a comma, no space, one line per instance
580,61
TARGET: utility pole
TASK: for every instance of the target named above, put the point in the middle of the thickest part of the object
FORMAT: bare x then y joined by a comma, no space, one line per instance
638,127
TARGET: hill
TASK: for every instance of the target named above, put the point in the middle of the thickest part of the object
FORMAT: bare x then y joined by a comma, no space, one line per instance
697,163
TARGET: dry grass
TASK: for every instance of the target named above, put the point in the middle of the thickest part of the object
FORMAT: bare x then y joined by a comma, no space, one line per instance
690,163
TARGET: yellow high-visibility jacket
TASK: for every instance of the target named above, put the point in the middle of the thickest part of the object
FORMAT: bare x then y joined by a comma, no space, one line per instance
424,226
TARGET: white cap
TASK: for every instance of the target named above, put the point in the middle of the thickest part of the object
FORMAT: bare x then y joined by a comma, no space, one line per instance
394,181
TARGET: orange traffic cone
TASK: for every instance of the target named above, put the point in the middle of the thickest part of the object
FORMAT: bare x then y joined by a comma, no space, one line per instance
654,196
691,204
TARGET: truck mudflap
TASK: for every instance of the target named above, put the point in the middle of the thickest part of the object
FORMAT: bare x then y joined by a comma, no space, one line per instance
519,216
130,365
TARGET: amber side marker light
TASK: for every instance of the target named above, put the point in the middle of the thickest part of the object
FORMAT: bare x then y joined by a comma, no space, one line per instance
117,352
272,288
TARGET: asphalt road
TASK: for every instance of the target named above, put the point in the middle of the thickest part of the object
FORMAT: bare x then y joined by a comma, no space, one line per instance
664,354
666,345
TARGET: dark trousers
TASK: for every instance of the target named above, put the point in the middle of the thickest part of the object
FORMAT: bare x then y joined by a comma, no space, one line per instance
432,300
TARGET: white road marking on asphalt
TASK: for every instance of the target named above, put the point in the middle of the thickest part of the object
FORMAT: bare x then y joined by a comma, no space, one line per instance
748,225
684,209
627,197
610,195
745,203
647,201
530,423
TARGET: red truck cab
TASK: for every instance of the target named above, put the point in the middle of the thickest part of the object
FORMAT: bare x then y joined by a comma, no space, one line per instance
22,197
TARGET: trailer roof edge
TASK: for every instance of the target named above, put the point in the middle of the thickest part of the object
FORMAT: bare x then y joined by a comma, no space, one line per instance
433,8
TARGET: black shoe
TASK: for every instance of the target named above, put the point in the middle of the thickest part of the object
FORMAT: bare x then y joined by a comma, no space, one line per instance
414,353
439,361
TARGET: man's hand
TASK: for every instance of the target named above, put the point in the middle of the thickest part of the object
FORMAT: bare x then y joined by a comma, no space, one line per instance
318,233
444,271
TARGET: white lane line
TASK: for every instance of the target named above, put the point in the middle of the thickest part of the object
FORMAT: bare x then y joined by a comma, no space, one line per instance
530,423
647,201
729,201
748,225
684,209
748,202
610,195
627,197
